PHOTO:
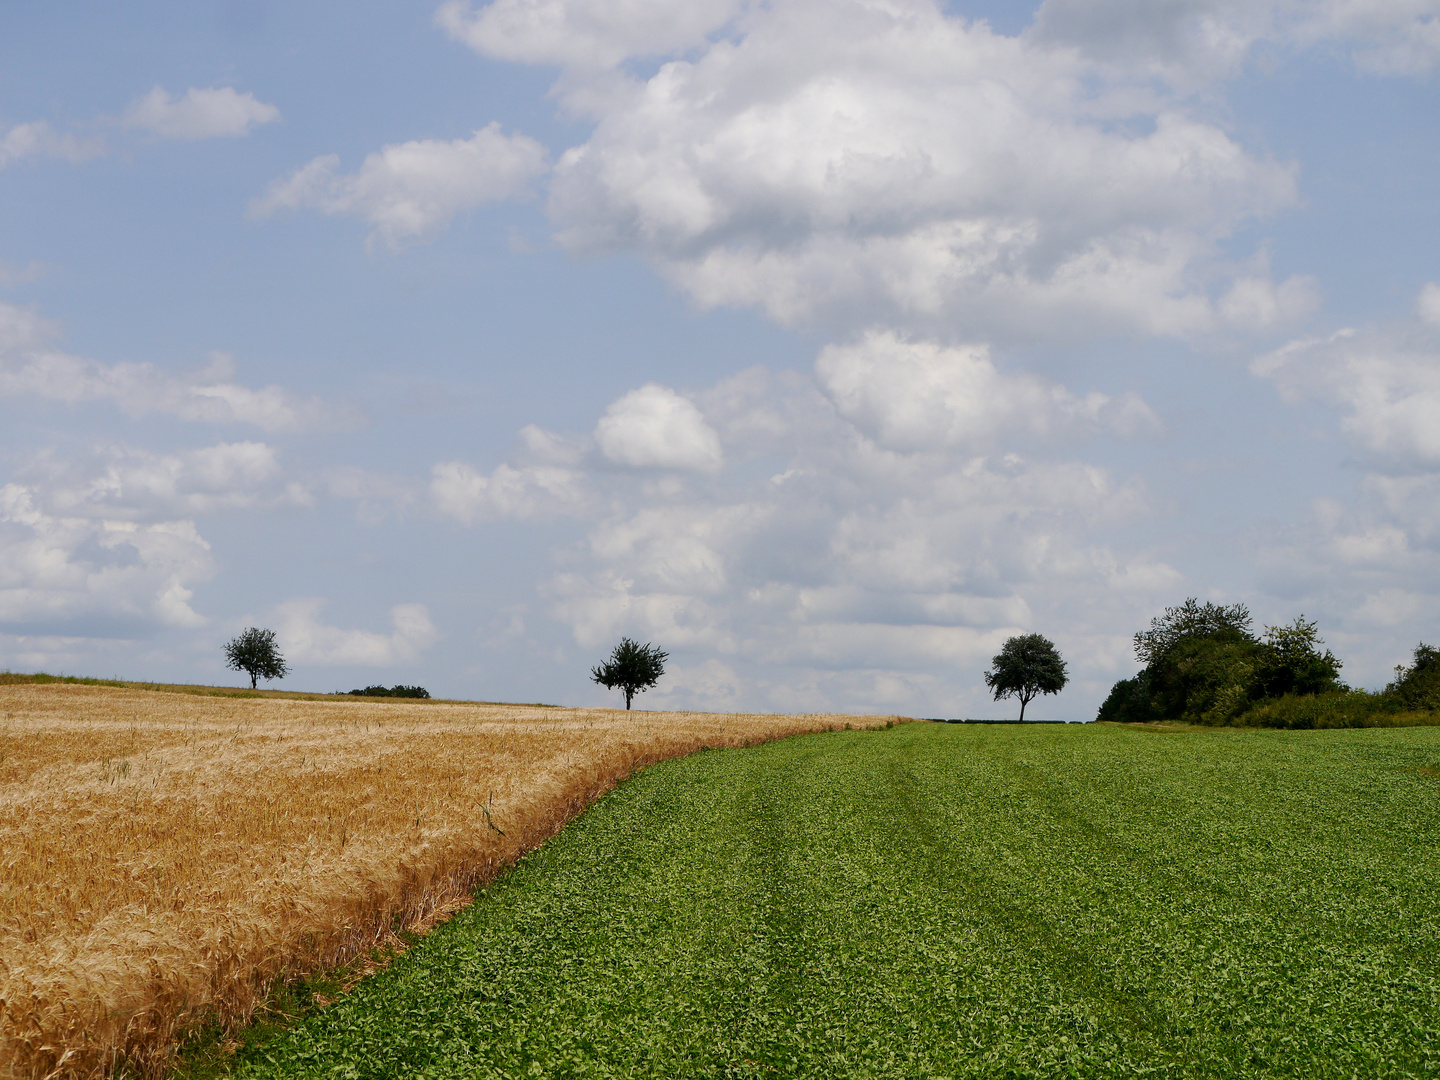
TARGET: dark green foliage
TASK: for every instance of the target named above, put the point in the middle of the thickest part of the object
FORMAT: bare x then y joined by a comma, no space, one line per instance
1417,686
1204,666
1289,661
1192,621
255,653
398,690
632,668
1026,666
1130,702
1203,679
938,900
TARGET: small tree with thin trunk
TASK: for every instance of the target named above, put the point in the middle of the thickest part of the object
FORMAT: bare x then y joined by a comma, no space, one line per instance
631,668
255,653
1026,666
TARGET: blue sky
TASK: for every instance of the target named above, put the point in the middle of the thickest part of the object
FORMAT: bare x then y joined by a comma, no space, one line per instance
825,344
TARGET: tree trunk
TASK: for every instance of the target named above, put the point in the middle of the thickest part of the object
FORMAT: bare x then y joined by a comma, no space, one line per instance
628,694
1023,702
252,681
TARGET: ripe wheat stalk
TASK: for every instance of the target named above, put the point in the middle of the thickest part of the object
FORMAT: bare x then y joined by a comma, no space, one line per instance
164,858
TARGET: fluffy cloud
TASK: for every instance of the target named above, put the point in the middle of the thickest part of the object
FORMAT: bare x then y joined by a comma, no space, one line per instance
124,483
31,364
858,162
654,427
412,190
1388,383
457,490
201,114
1369,567
790,533
824,554
583,33
305,639
864,562
909,395
94,576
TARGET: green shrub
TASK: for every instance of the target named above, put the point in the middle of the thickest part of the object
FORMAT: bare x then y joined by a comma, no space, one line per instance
1339,709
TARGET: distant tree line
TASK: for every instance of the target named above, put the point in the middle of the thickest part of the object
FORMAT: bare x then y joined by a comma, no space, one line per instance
1203,664
398,690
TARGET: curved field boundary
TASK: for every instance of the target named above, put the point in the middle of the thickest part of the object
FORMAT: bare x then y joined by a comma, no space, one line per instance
167,857
964,901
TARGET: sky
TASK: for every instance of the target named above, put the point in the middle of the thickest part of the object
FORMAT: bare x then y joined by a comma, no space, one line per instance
825,344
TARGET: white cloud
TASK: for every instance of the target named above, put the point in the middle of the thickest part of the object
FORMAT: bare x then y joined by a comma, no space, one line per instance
217,112
654,427
457,490
126,483
809,535
305,639
1388,383
909,395
840,552
1258,302
852,163
39,139
94,576
31,364
583,33
411,190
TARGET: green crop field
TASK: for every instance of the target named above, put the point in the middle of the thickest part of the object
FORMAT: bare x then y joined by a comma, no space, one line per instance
944,901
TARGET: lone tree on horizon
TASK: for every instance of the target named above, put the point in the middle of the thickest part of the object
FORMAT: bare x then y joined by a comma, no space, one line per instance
1026,666
632,668
255,653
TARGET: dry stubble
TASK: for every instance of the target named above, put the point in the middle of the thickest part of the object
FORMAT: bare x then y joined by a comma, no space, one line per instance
165,857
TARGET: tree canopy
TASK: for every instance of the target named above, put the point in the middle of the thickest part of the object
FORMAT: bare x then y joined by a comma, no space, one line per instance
254,652
1026,666
632,668
1203,664
1417,686
1191,620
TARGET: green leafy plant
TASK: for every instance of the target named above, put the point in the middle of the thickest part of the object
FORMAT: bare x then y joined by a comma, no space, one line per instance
1094,902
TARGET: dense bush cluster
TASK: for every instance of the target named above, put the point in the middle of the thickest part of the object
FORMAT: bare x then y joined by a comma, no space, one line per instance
398,690
1204,665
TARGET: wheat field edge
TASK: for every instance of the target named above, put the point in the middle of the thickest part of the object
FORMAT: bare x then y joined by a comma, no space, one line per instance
167,857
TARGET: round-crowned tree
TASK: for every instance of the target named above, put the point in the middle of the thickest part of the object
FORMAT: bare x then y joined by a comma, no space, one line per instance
632,668
254,652
1026,666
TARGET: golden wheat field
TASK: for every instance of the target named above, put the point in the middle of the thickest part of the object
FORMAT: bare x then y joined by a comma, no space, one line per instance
164,857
